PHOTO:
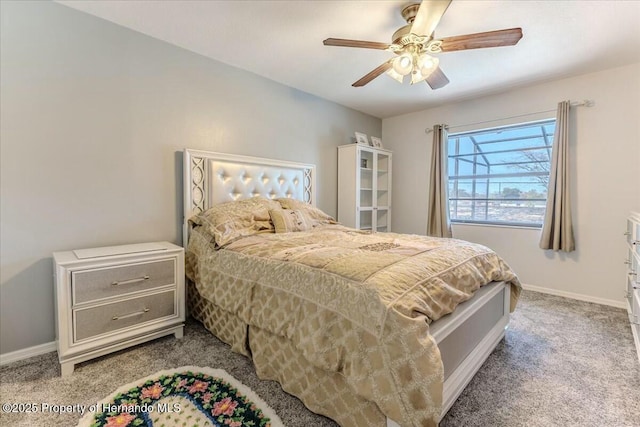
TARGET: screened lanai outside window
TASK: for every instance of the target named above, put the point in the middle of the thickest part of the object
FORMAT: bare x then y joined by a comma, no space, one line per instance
500,175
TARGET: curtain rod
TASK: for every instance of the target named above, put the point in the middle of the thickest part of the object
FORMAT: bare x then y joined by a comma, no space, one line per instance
584,103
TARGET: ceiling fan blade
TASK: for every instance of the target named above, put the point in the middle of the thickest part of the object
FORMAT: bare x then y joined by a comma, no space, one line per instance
355,43
373,74
437,79
507,37
428,16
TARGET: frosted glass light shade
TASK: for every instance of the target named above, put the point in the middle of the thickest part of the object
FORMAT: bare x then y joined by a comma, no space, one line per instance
417,77
403,64
427,64
394,75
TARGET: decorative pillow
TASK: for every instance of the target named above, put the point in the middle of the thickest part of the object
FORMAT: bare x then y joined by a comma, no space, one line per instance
231,220
289,220
313,213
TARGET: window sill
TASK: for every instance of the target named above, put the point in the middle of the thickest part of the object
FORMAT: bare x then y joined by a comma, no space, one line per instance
481,224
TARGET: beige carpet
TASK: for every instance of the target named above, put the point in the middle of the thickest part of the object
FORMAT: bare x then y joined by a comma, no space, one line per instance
563,362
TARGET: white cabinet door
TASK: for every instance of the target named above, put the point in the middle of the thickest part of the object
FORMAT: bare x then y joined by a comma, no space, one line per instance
382,191
366,187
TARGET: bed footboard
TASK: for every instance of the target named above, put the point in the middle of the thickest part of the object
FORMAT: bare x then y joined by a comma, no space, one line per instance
467,337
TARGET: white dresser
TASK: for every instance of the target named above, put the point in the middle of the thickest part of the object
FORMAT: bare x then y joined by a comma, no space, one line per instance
633,275
364,187
114,297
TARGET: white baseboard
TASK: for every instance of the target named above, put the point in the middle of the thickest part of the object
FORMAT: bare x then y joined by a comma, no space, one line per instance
26,353
580,297
37,350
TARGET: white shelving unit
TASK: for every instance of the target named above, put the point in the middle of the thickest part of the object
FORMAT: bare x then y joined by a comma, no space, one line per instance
364,187
633,274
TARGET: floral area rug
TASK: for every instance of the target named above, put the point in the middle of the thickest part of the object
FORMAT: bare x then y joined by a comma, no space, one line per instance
188,396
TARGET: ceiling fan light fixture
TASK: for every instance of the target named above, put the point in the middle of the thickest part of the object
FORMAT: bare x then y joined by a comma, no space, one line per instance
417,77
403,64
395,75
427,64
423,66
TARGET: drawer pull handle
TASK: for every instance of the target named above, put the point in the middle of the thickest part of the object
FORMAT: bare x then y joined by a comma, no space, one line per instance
125,316
627,233
130,281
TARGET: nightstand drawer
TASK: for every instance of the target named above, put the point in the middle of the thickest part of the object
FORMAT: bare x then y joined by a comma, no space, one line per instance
89,285
94,321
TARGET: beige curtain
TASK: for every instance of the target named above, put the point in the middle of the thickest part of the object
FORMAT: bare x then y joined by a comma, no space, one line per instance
438,224
557,230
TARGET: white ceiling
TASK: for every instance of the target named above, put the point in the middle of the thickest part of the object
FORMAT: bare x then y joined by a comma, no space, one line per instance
282,40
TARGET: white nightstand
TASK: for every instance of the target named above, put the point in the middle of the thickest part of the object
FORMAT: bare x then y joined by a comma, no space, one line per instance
114,297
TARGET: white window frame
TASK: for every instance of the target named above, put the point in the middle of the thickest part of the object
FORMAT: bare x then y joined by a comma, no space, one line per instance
496,148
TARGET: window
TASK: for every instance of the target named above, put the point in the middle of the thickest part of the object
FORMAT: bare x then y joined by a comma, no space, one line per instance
500,175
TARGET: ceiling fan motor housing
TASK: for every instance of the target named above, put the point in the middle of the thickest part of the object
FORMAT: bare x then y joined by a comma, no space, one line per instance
401,34
403,37
409,13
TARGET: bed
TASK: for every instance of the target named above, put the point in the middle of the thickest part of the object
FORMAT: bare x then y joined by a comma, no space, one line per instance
364,328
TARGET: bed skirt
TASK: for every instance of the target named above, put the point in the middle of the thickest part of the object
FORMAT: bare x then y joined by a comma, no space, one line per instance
275,358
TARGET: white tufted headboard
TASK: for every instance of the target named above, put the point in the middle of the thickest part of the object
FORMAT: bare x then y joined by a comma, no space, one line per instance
211,178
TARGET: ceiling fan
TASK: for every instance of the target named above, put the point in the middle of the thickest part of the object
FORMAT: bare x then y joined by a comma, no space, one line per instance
415,44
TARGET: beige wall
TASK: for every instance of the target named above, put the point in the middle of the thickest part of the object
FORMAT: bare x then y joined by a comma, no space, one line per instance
94,121
605,150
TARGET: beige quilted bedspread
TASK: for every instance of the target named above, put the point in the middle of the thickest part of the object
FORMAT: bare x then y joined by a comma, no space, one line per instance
353,303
